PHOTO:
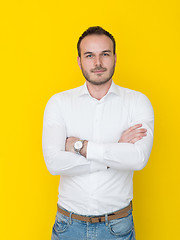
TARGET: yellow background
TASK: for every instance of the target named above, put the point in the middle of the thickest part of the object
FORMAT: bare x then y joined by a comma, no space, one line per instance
38,59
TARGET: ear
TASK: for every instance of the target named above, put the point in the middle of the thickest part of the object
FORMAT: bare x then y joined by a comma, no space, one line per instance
79,61
115,58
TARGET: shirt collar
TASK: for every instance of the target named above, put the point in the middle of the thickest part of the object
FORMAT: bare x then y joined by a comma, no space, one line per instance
112,90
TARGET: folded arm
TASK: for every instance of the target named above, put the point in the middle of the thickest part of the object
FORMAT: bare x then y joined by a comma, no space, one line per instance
134,146
131,152
59,161
128,154
123,155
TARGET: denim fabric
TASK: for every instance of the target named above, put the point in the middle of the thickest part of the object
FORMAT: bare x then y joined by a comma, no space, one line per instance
66,228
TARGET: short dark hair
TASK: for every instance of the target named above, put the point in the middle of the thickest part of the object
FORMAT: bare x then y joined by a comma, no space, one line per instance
95,31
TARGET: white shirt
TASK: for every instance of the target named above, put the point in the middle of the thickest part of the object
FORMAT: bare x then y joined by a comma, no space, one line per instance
86,186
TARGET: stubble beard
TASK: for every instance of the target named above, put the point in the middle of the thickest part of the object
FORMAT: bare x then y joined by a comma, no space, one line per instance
100,82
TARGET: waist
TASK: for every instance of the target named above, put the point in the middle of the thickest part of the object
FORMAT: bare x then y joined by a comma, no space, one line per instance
94,218
96,194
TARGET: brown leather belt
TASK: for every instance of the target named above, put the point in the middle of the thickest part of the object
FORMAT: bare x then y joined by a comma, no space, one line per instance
94,219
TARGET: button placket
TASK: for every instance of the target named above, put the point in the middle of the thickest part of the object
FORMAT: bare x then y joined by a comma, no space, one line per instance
97,122
96,138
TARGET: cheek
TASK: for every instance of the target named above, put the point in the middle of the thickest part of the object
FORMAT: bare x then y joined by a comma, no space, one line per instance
111,64
87,65
108,61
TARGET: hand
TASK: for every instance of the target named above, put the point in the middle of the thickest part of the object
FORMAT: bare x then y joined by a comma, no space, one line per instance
133,134
84,149
70,145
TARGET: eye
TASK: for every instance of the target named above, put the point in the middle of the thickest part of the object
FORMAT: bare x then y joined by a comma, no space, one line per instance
105,54
89,56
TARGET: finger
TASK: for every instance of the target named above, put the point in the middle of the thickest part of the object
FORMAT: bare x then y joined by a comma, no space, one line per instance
134,127
135,139
128,136
136,135
140,130
133,132
136,132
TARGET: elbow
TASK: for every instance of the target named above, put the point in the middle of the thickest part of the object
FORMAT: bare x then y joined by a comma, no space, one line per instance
54,166
140,165
50,163
52,170
143,152
142,160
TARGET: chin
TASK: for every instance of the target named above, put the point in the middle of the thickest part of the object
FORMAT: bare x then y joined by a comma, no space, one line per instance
98,82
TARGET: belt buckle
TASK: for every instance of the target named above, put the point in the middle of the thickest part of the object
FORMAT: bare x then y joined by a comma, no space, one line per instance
91,219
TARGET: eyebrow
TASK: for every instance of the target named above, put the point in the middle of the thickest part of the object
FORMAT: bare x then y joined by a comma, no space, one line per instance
102,52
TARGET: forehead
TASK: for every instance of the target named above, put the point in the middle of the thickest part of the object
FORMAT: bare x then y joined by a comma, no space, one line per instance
96,43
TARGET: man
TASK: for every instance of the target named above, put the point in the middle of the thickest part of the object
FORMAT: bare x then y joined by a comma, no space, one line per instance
95,136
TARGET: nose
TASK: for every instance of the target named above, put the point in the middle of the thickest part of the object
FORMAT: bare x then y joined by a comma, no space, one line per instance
97,61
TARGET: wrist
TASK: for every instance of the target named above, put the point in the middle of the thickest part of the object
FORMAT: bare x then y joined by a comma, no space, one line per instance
78,145
83,151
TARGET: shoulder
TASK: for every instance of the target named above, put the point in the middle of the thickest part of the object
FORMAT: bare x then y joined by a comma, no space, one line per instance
134,99
64,96
131,95
126,92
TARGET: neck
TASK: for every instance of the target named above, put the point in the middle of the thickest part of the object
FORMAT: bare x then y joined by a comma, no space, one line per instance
98,91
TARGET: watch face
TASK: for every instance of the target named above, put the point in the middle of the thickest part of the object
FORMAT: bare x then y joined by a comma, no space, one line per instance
78,145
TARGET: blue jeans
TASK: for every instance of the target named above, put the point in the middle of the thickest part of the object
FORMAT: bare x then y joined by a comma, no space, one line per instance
66,228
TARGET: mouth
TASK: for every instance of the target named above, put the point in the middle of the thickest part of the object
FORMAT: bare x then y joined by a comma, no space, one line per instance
98,71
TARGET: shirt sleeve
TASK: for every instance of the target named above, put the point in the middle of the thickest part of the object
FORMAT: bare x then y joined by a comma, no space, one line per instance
59,161
128,156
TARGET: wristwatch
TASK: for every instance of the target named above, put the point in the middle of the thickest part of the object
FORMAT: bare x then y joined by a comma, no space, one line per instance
78,145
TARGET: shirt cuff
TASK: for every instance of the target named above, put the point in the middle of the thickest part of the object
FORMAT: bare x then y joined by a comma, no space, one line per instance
95,152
